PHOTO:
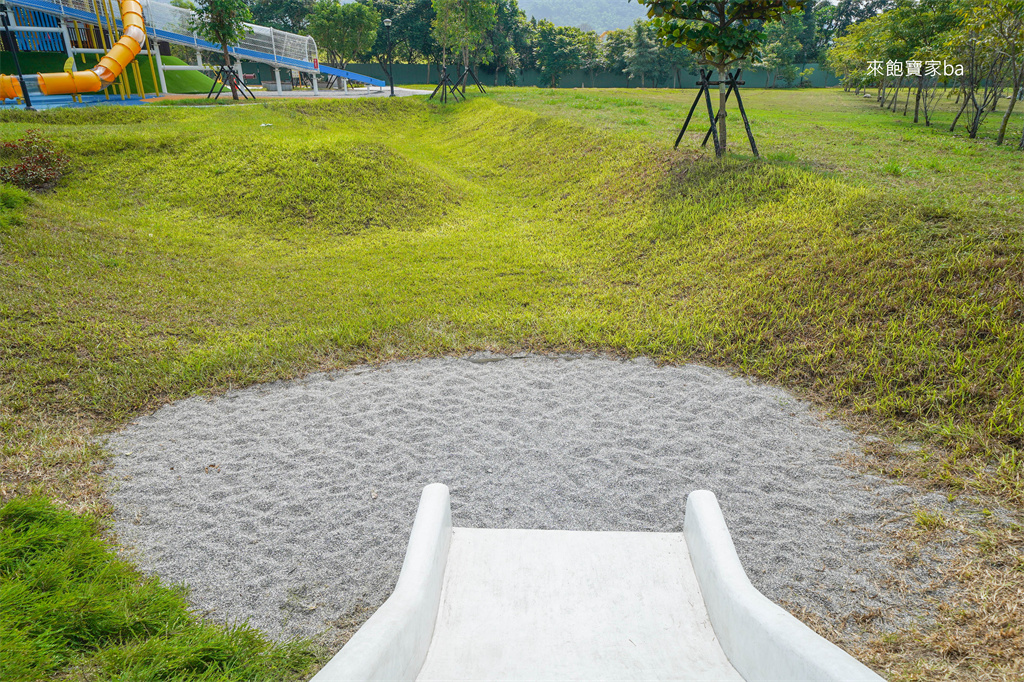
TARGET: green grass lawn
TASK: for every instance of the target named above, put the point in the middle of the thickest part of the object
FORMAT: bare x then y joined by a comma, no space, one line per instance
865,263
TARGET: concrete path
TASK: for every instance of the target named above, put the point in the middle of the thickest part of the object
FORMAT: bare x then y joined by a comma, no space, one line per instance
371,91
353,93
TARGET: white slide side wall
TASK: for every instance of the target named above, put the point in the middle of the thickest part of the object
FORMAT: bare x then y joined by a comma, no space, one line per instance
762,640
393,643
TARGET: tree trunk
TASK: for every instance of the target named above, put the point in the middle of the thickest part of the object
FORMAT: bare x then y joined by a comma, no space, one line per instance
972,127
927,116
1006,117
767,75
952,126
722,90
917,99
906,104
227,60
896,95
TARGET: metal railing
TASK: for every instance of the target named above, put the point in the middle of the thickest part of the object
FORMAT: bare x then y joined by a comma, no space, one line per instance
170,23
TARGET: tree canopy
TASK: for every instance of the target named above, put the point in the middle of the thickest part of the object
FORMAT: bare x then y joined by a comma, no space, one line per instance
343,32
284,15
718,33
462,25
559,50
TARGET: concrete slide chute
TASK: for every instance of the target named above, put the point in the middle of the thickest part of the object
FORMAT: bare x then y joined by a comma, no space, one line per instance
481,604
100,76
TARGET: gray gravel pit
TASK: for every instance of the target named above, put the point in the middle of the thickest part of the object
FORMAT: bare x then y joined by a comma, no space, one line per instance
289,504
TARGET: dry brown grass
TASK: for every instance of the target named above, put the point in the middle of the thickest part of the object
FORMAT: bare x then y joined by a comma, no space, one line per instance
974,612
51,456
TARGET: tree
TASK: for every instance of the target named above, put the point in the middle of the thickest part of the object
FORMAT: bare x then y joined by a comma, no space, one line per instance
343,31
410,31
1002,22
832,21
824,29
222,22
284,15
593,58
461,25
509,39
559,50
922,29
615,43
806,40
781,47
642,56
675,60
850,12
983,68
720,33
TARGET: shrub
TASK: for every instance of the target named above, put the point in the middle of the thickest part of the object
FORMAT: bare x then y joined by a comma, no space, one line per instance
40,163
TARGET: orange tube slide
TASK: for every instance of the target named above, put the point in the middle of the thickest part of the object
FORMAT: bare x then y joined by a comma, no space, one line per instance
99,76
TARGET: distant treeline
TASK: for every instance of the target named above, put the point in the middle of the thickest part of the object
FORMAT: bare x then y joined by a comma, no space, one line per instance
519,49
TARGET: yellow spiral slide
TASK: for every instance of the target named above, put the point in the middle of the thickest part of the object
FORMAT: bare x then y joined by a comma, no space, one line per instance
100,76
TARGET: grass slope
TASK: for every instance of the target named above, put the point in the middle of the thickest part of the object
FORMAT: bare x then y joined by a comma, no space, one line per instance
366,230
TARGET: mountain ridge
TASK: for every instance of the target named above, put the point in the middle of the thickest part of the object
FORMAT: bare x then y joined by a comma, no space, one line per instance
595,15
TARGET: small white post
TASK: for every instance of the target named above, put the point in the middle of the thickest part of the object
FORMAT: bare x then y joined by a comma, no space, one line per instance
67,44
277,79
316,87
155,50
344,85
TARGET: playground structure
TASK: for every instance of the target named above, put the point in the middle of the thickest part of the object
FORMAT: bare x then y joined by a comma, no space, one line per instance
116,38
480,604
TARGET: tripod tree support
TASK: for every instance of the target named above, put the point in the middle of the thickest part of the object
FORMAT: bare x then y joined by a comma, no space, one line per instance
705,90
446,88
462,82
718,33
227,76
734,86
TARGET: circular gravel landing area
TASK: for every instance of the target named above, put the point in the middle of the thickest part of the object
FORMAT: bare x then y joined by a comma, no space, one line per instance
290,504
